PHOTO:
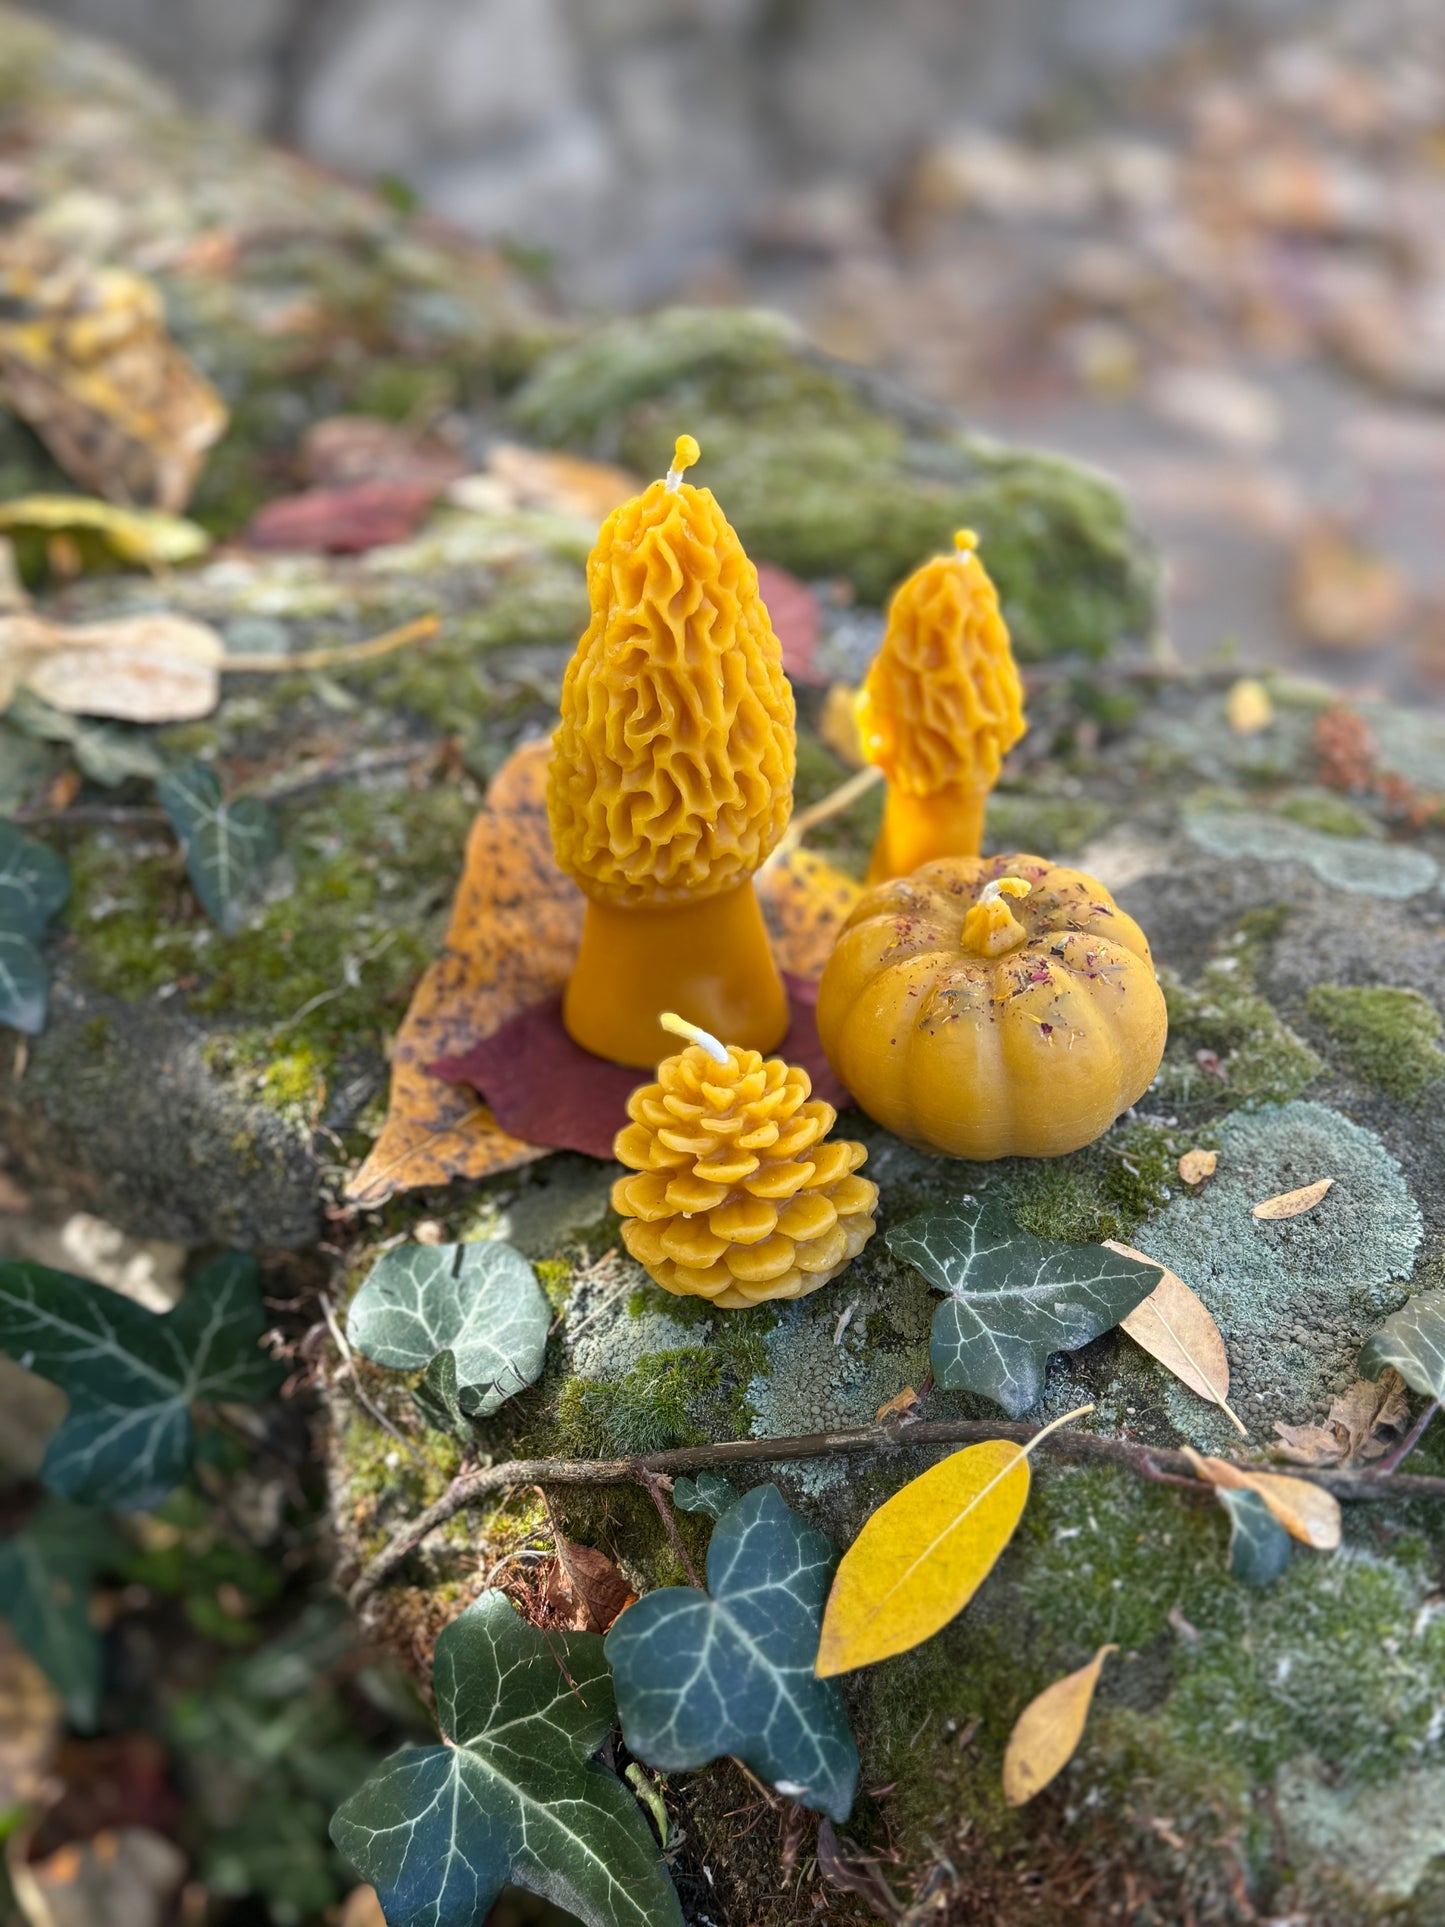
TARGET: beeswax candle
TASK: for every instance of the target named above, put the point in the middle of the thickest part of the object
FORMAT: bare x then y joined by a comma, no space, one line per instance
672,778
939,710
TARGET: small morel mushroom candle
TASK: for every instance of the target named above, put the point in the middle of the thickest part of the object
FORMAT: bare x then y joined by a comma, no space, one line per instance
738,1194
1000,1008
672,778
939,710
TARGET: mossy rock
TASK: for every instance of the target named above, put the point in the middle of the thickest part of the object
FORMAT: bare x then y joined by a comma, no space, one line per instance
1276,1752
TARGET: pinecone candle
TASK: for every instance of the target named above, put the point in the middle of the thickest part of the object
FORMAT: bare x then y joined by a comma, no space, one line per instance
735,1195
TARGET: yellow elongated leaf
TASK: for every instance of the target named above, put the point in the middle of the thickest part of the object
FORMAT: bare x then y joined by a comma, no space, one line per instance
146,537
1174,1325
1306,1511
1046,1734
1290,1204
925,1552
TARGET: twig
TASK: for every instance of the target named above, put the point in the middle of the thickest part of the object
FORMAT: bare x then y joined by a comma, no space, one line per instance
653,1485
1083,1448
340,655
1384,1467
829,806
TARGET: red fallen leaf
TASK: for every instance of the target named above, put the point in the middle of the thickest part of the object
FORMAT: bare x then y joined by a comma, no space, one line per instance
542,1087
794,611
362,515
584,1590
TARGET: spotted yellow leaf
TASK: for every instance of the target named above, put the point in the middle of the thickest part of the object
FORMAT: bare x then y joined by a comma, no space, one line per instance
925,1552
1046,1734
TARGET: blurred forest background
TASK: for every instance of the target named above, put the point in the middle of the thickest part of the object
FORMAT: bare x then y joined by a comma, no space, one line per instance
1201,242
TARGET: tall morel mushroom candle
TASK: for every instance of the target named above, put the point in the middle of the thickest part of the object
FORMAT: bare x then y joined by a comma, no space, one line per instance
940,708
672,778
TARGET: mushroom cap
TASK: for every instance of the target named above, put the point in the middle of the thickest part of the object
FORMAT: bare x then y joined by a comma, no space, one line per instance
942,703
672,769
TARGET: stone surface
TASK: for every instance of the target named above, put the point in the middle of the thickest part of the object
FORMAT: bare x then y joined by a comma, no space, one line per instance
1246,1749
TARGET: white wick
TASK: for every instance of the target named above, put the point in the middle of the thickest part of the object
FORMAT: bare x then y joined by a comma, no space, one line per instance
695,1034
1004,887
674,476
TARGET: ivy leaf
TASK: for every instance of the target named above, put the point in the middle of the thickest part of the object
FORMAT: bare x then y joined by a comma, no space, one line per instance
24,984
435,1397
513,1793
709,1492
1259,1547
34,883
45,1581
131,1374
479,1301
699,1675
1413,1341
1014,1299
227,846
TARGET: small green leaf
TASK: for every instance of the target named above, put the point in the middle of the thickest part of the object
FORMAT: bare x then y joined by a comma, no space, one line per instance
730,1670
227,845
708,1492
24,984
435,1397
132,1375
1013,1299
1413,1341
45,1580
1259,1547
106,752
34,883
480,1301
513,1794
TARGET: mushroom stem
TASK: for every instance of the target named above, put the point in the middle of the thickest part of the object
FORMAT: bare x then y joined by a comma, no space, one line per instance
709,956
917,829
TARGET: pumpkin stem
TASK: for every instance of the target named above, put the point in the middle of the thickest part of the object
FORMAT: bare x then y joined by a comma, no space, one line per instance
991,929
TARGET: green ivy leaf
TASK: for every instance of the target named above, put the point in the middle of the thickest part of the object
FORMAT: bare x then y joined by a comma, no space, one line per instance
708,1492
435,1397
45,1580
1413,1341
479,1301
34,883
24,984
227,846
1259,1547
513,1794
1013,1299
699,1675
132,1375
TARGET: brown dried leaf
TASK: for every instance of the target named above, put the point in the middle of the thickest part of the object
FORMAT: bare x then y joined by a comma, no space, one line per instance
903,1401
1047,1733
141,669
86,360
1196,1166
1291,1204
584,1591
1343,595
1307,1512
1364,1422
1174,1325
568,484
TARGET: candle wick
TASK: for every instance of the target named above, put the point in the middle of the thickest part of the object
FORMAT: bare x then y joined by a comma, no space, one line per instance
695,1034
1004,887
685,452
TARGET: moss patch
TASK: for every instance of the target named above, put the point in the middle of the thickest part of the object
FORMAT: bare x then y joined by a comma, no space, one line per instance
1261,1058
1387,1036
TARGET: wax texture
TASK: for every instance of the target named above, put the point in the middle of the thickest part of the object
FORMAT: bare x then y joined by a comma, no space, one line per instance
738,1194
971,1017
942,703
672,769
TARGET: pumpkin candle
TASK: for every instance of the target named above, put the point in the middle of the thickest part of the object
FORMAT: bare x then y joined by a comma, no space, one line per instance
735,1196
672,777
939,710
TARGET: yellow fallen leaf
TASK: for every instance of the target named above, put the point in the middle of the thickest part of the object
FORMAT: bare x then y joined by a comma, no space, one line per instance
1196,1166
1248,708
1047,1733
538,478
925,1552
86,359
141,669
145,537
1306,1511
838,725
900,1402
1173,1324
1291,1204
